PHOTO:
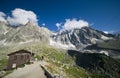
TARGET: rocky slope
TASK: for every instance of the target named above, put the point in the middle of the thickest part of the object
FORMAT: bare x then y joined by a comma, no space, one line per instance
81,37
23,34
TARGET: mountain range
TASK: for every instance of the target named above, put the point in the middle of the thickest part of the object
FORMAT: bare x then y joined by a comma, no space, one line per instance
86,39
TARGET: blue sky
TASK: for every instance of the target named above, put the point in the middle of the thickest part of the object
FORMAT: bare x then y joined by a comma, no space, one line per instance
102,14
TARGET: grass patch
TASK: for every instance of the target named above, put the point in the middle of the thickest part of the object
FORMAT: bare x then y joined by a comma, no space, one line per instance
3,64
76,72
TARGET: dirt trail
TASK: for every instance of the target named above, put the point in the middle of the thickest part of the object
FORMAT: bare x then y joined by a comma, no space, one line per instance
29,71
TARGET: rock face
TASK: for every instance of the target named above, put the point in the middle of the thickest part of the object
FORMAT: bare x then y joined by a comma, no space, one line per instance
23,34
81,37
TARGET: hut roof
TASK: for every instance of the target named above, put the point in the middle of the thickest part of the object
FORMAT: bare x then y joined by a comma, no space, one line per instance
21,51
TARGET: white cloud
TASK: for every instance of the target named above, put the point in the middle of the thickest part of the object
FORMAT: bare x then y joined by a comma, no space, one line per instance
2,17
109,32
58,25
22,17
43,24
106,32
74,24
